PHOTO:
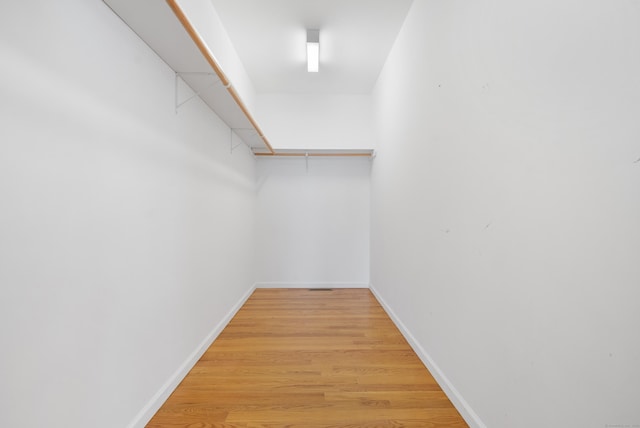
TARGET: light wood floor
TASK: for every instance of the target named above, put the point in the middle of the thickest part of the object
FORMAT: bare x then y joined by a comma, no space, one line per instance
301,358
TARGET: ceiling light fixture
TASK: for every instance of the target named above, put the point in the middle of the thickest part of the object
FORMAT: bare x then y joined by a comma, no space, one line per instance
313,51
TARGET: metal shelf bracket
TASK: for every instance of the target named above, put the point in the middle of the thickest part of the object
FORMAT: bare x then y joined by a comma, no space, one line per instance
179,75
232,132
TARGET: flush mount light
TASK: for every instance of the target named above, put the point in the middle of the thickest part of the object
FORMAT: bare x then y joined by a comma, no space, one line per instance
313,51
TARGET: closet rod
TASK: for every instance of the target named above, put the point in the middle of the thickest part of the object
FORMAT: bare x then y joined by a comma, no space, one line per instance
204,49
328,154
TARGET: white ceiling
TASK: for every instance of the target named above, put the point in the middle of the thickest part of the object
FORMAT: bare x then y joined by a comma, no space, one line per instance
355,39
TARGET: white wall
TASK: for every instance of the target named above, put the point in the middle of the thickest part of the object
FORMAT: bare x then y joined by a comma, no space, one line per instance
313,226
125,230
505,213
316,121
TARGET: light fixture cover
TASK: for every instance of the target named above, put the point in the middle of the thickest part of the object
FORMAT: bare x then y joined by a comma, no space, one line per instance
313,51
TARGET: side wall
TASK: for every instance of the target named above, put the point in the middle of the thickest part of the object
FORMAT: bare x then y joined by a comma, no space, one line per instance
125,230
313,222
505,208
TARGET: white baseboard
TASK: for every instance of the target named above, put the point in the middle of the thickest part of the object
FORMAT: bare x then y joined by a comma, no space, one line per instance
172,383
311,285
452,393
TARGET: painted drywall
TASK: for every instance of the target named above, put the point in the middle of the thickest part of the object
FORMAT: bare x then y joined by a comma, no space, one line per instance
125,230
505,209
313,222
316,121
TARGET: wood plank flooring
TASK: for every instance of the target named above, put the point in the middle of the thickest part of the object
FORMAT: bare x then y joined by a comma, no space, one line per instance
302,358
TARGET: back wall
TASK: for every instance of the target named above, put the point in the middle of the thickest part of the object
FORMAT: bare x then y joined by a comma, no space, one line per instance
312,222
